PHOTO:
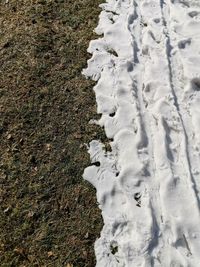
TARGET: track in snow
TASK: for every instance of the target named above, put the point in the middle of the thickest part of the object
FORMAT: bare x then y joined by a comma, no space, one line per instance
148,91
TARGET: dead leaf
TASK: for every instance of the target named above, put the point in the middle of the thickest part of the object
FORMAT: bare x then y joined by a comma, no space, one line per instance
50,254
19,251
7,210
77,136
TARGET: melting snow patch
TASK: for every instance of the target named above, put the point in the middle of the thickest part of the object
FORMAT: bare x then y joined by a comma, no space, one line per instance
148,92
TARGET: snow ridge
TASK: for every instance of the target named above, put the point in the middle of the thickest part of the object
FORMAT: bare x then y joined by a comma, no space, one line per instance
148,91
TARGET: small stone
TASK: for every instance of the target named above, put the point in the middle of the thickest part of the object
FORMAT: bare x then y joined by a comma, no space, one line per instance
9,136
31,214
48,146
86,235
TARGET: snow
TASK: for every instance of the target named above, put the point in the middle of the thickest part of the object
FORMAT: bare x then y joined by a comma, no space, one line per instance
148,91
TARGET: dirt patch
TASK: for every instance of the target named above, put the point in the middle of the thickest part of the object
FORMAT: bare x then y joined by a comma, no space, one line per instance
49,215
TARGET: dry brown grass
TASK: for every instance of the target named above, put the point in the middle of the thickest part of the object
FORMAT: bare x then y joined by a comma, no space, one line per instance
49,215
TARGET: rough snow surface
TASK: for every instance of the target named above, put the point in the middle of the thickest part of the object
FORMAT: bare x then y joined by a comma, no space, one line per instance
147,68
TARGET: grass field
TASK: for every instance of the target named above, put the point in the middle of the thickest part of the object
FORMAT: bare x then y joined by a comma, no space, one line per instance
49,215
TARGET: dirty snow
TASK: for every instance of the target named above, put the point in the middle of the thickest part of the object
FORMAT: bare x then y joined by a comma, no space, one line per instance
147,68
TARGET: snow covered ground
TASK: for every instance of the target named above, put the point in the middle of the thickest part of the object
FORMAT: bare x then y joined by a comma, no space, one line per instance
147,68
